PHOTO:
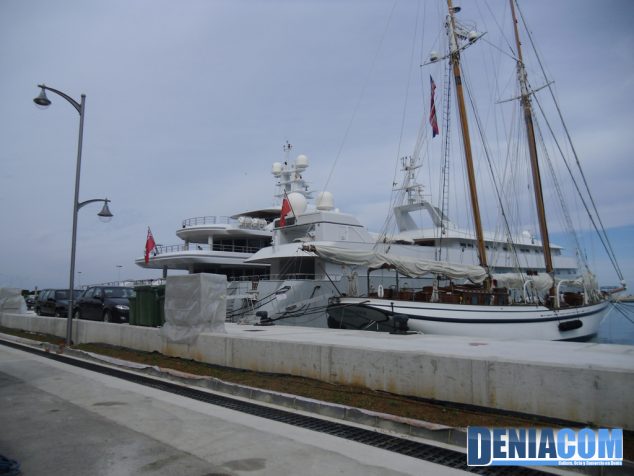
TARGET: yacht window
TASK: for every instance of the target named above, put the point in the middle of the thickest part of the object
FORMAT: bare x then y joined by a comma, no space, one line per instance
297,268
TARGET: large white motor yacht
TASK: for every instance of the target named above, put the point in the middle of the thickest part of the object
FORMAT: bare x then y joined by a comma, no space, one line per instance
300,283
221,244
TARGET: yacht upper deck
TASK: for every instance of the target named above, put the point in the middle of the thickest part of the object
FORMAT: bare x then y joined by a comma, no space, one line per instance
205,229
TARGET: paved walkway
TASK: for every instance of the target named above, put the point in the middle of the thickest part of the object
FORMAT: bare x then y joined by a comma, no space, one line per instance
61,420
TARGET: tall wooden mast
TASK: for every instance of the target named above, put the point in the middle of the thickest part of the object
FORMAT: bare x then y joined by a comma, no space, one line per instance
464,125
532,147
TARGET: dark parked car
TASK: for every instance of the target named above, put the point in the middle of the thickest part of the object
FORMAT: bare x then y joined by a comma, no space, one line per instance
30,301
53,302
104,303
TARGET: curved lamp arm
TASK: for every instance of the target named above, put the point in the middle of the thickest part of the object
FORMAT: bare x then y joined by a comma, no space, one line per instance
75,104
105,214
82,204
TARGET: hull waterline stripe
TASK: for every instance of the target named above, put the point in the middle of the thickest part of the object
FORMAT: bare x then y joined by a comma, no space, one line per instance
387,308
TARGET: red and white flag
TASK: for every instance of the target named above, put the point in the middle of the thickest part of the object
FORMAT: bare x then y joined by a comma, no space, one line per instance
432,111
150,244
286,208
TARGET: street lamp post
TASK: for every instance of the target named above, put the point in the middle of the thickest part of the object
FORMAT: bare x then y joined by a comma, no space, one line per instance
119,266
104,214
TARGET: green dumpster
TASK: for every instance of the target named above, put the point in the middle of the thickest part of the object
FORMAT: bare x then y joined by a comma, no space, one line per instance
147,305
149,308
160,318
134,312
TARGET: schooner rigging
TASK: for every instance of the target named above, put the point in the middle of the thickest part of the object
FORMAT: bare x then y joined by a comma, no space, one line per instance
477,309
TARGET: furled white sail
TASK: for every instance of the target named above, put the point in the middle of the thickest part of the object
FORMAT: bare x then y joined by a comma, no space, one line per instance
407,265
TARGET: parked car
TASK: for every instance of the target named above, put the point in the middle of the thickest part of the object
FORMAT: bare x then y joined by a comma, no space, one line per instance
53,302
30,301
104,303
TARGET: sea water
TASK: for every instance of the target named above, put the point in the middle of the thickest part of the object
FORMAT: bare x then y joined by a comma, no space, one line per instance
618,326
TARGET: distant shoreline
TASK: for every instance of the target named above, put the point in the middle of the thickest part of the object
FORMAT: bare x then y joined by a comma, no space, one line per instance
629,298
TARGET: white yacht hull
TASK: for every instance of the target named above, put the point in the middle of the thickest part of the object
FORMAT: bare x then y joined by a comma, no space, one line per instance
498,322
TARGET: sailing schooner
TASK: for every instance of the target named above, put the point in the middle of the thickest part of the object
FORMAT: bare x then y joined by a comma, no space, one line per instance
483,303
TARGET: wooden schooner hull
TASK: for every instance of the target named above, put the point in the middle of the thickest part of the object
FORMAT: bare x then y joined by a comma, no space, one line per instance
497,322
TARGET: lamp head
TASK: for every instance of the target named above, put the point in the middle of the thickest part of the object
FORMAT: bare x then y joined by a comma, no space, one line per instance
105,215
42,100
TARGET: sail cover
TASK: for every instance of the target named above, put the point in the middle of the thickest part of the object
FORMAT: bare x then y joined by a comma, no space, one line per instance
409,266
541,282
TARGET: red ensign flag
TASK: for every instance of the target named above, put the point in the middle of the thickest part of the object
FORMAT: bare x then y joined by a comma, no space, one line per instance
286,208
149,245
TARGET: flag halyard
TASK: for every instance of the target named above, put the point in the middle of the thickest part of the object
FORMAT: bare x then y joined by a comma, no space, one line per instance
432,110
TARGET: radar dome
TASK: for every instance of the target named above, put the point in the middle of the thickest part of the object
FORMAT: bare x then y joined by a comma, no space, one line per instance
277,169
325,201
298,203
301,162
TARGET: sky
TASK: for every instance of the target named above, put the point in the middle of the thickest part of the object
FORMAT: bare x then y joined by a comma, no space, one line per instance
189,103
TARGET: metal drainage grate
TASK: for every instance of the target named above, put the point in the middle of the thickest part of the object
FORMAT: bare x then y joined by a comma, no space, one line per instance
415,449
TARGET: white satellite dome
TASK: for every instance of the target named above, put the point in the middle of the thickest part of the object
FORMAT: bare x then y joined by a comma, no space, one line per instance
301,162
325,201
277,169
298,203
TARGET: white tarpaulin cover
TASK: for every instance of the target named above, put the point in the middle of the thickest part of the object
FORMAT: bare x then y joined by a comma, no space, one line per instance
541,282
194,303
407,265
588,282
11,300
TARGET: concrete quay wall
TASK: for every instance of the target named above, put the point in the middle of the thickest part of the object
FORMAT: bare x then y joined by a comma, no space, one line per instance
582,382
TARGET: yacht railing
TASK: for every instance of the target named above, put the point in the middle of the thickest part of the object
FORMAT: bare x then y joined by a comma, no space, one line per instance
209,220
161,249
241,222
279,277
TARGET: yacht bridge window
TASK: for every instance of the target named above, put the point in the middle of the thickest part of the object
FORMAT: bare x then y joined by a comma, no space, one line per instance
241,245
295,268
